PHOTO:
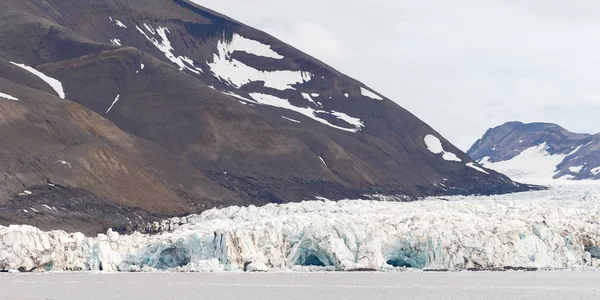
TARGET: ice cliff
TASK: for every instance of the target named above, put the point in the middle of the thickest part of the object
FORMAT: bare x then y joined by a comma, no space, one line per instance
554,229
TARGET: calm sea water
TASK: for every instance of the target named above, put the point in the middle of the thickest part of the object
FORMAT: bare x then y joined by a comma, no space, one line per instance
291,286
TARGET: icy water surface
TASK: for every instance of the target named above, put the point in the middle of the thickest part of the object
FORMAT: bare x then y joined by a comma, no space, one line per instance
292,286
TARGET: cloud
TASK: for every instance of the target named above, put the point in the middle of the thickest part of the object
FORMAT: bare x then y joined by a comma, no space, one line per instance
462,66
313,39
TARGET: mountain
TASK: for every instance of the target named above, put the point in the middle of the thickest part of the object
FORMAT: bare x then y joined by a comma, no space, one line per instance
539,151
120,113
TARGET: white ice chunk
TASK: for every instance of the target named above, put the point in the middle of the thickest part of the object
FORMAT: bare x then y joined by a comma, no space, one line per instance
113,103
7,96
476,167
55,84
368,93
595,171
142,66
346,95
257,267
315,95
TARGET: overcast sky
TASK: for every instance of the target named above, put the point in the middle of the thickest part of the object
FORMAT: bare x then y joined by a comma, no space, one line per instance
460,65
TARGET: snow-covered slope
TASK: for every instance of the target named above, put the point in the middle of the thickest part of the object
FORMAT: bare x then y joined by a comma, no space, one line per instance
554,229
538,152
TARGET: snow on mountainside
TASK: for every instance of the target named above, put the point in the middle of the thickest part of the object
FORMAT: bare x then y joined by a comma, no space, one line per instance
164,107
554,229
538,152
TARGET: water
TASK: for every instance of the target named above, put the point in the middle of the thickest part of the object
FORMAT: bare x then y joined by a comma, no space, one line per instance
292,286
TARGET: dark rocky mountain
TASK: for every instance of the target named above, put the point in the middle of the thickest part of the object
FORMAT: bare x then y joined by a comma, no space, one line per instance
158,108
539,151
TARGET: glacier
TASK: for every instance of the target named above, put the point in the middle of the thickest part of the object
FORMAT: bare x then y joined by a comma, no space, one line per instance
555,229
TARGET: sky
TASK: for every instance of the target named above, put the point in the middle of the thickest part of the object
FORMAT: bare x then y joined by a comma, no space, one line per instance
462,66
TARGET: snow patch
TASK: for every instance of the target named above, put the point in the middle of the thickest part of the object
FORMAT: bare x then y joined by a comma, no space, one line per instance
576,169
315,95
64,163
357,122
240,43
236,73
576,149
307,97
117,22
25,193
7,96
232,94
289,119
449,156
323,161
434,145
113,103
534,163
595,171
149,28
476,167
116,42
346,95
368,93
307,111
142,66
164,45
55,84
46,206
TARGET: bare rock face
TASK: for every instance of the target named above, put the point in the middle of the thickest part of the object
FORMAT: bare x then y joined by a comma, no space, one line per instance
539,151
159,108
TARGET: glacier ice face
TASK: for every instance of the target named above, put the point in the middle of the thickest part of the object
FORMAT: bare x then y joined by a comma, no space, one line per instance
554,229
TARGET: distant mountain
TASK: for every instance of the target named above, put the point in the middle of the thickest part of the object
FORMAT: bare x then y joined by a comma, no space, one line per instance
123,112
539,151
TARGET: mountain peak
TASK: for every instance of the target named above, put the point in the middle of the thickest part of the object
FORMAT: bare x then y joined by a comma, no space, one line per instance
538,151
